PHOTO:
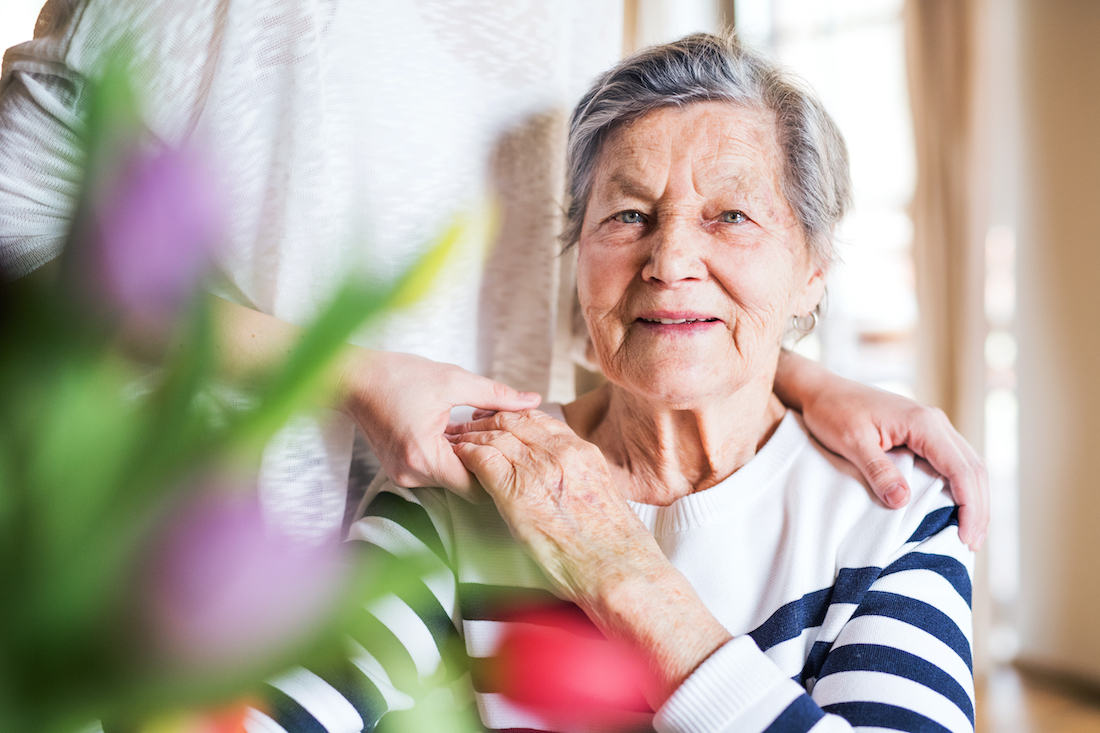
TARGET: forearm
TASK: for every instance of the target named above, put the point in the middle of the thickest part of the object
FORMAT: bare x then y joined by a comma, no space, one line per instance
249,346
661,615
798,378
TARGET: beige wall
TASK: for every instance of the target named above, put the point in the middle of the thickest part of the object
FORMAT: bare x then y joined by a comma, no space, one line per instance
1059,335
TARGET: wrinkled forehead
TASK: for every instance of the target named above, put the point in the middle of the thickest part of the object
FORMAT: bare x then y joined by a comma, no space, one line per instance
723,146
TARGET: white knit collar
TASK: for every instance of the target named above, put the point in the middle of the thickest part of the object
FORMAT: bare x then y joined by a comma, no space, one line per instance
736,491
701,508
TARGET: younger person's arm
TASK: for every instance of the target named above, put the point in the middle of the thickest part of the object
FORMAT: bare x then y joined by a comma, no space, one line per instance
861,423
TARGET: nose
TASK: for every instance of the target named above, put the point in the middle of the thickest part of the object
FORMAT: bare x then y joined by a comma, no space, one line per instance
676,253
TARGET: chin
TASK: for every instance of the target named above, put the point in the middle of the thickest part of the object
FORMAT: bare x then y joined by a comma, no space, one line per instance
676,388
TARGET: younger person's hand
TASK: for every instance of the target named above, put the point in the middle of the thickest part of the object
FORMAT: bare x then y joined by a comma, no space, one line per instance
861,423
402,403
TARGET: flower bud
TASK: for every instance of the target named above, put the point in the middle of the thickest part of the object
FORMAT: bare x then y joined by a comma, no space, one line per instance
154,232
225,591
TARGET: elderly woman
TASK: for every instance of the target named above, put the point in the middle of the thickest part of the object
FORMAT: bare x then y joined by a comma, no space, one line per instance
681,507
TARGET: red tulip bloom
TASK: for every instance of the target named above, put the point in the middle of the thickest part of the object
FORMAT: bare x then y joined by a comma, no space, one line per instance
560,667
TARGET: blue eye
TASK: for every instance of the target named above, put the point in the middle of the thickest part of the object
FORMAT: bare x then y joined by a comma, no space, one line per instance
732,217
630,217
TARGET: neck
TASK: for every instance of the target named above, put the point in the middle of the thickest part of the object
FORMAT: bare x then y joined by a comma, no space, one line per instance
659,453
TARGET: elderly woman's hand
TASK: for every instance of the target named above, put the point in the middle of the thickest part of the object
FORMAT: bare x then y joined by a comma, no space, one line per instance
862,423
557,496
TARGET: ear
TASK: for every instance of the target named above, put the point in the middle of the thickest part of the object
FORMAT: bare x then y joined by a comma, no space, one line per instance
812,289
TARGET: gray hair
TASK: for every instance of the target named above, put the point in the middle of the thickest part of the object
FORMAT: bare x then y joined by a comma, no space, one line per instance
701,68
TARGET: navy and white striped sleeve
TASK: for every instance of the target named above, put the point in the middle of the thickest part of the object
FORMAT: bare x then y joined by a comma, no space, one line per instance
401,644
901,660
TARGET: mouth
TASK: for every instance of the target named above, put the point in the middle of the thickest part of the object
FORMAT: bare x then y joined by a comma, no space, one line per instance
676,321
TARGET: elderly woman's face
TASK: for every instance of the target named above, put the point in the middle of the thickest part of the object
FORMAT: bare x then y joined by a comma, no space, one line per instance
691,261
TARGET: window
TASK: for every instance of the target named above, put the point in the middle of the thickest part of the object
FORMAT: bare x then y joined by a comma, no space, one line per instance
853,55
17,19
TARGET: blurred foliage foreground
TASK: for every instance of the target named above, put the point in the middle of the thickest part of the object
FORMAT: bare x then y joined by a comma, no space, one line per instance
137,577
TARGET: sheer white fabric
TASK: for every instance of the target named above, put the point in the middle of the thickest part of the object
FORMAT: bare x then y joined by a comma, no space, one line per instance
347,135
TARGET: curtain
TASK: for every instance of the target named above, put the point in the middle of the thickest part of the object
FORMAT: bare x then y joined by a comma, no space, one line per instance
947,57
944,55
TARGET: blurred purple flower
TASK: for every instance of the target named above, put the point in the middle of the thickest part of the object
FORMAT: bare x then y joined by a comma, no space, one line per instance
155,232
227,591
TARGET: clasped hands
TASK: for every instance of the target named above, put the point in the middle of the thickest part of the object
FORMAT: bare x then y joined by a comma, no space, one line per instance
403,403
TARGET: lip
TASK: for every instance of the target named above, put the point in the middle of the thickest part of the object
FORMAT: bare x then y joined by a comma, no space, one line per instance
677,316
692,321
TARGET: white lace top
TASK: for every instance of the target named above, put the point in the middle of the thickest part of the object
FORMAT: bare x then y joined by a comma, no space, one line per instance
347,135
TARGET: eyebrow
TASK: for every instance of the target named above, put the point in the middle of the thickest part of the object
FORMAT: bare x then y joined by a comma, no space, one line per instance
627,185
739,181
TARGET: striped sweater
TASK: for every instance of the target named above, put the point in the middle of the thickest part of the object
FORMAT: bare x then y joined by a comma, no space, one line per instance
844,614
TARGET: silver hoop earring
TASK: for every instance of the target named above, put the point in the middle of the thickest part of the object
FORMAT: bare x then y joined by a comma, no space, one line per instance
805,324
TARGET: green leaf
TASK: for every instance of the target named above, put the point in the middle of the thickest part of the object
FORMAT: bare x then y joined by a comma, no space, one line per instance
306,375
86,438
114,118
418,281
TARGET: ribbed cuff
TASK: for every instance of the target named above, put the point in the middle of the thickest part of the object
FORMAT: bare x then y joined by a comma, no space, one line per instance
729,682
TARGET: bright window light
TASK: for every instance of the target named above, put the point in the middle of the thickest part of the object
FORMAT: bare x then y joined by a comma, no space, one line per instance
853,54
17,19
